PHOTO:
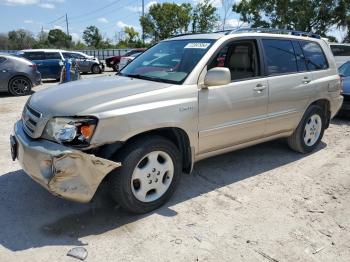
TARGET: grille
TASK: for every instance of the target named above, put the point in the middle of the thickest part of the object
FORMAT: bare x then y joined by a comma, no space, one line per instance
30,119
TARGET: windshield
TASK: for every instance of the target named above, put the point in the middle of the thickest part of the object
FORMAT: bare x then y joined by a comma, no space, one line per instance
169,61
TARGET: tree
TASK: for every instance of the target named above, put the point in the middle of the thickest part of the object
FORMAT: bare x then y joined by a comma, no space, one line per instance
165,20
4,42
93,37
59,39
305,15
20,39
204,17
131,34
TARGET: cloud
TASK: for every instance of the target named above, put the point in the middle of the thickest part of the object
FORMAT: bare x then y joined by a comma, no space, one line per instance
47,5
138,8
58,27
103,20
121,25
75,37
21,2
232,23
28,21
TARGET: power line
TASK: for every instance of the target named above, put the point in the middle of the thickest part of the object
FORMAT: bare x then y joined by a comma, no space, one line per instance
56,20
96,10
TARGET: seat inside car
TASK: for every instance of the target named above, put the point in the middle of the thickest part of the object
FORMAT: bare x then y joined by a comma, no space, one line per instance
241,62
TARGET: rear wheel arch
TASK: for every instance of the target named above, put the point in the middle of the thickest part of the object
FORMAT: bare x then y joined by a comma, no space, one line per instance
326,107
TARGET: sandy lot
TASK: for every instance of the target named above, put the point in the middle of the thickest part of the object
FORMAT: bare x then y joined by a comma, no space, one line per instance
264,203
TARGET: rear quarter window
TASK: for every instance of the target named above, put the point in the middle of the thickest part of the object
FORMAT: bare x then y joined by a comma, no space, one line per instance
340,50
34,55
314,56
280,56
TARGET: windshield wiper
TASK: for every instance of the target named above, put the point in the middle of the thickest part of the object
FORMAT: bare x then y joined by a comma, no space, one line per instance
151,78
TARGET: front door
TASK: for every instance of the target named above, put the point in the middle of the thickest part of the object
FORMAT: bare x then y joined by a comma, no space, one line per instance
235,113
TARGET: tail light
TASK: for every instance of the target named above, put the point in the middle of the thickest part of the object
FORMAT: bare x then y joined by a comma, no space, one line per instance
34,67
341,83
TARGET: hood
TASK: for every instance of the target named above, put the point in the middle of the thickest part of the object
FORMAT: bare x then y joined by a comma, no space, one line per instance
90,96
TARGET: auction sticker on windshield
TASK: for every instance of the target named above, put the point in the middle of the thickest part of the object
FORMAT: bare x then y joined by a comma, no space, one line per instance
198,45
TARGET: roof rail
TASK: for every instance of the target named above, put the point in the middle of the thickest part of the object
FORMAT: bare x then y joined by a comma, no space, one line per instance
275,31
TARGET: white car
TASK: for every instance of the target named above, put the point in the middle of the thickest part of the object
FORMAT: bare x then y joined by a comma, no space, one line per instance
127,59
341,53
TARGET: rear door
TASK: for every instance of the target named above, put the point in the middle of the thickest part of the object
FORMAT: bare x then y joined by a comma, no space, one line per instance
4,74
290,84
53,64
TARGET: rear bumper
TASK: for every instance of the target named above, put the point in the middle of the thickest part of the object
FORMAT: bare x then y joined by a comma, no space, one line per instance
65,172
336,105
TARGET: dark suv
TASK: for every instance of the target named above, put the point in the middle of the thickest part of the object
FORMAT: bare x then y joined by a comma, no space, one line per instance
113,61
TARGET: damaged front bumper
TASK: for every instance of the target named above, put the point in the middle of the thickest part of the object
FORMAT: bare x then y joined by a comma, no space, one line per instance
65,172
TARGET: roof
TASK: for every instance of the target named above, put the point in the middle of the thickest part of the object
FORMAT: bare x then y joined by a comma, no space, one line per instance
42,50
269,32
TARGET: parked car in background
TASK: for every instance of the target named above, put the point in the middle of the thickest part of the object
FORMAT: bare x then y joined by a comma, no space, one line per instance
344,72
341,53
127,59
113,61
49,61
18,75
85,62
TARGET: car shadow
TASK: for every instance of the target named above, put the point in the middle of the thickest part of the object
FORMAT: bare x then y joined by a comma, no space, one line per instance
31,217
6,94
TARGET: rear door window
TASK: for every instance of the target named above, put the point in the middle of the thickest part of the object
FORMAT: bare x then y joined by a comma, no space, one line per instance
53,55
280,56
340,50
301,61
315,58
34,55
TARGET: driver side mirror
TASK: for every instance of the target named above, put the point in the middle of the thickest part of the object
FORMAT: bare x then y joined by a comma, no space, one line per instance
217,76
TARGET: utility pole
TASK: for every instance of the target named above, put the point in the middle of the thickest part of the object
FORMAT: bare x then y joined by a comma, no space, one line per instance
143,14
67,24
42,34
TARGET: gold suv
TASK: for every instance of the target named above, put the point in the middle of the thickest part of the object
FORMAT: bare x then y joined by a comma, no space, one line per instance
183,100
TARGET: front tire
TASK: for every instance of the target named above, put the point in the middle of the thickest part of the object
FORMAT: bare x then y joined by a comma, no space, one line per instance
115,67
20,86
150,172
309,132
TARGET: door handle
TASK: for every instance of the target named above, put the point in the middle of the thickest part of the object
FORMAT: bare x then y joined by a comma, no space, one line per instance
306,80
259,88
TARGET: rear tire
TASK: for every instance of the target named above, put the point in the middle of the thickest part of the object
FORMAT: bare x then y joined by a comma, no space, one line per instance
308,135
150,173
20,86
96,69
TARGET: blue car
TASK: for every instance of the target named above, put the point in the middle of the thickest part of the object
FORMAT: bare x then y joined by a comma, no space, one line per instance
344,72
49,61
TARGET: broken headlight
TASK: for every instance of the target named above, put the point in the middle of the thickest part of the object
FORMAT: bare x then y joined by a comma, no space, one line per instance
70,131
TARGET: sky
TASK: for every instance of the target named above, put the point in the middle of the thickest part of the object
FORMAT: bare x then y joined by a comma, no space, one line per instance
109,16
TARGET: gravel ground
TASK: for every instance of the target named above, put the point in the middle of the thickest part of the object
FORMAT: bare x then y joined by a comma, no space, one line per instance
264,203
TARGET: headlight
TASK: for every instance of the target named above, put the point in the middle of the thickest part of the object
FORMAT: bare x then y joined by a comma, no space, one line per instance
72,131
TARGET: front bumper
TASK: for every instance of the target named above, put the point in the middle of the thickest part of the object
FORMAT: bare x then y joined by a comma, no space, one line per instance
65,172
